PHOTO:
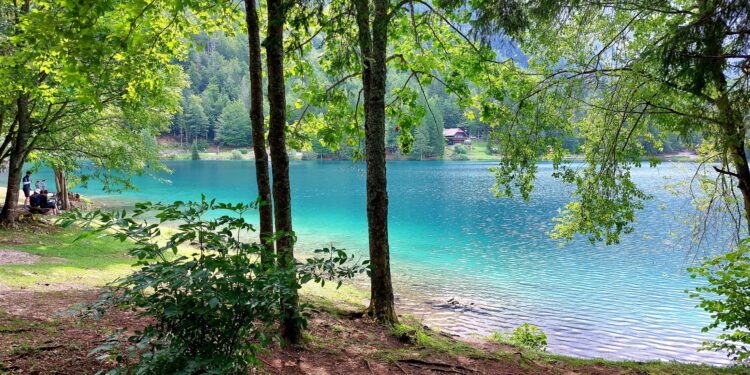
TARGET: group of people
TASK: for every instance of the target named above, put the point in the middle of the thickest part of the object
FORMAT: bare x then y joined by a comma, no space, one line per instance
38,198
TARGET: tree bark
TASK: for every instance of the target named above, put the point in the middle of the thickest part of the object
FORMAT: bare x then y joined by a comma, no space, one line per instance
61,183
734,131
282,199
373,46
17,158
739,159
258,128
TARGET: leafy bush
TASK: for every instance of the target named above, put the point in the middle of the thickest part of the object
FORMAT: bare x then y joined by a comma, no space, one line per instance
460,149
202,144
211,311
491,149
460,157
725,298
530,336
236,155
195,153
244,151
525,336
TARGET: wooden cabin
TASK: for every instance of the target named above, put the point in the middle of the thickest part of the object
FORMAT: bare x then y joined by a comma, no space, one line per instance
455,136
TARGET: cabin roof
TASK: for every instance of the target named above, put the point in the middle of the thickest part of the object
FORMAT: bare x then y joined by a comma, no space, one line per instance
452,132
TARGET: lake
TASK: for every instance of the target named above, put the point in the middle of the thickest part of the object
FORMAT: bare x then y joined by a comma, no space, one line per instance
451,238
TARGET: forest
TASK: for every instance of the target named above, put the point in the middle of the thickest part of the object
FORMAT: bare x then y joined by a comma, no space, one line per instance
210,113
578,246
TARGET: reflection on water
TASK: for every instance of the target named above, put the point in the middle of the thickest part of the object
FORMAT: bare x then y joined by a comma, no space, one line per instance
451,239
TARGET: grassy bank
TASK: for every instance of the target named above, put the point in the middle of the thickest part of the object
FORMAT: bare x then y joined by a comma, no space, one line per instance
33,332
63,263
477,151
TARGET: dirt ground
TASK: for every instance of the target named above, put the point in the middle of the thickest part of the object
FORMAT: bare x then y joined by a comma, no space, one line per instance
40,335
17,257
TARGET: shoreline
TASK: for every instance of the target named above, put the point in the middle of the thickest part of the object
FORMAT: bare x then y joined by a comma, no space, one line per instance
246,155
328,307
432,306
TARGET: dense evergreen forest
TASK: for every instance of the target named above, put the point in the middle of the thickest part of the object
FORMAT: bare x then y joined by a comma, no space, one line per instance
216,102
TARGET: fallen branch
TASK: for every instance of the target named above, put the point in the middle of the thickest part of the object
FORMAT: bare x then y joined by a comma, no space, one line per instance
438,366
19,330
439,369
400,368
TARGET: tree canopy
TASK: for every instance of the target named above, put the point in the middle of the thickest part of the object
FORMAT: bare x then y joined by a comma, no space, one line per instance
622,76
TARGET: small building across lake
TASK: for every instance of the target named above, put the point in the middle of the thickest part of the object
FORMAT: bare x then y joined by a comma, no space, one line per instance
455,136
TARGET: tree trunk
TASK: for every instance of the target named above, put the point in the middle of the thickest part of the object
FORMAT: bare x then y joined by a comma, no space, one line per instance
16,160
734,131
258,128
373,46
282,199
61,183
739,160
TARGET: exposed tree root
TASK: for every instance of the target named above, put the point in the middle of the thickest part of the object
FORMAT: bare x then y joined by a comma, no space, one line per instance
400,368
439,367
38,349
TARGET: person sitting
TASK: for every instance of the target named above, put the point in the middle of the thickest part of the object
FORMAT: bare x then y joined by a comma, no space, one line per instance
35,199
44,202
40,204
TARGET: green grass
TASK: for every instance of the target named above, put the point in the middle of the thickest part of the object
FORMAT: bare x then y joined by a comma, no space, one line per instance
477,151
172,152
332,300
650,367
431,341
223,155
64,263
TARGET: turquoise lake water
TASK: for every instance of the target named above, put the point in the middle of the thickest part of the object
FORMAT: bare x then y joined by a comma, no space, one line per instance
450,238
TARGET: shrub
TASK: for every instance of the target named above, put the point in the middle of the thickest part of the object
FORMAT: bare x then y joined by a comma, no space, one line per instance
460,149
202,144
244,151
195,153
526,336
725,298
491,149
212,311
460,157
236,155
529,336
